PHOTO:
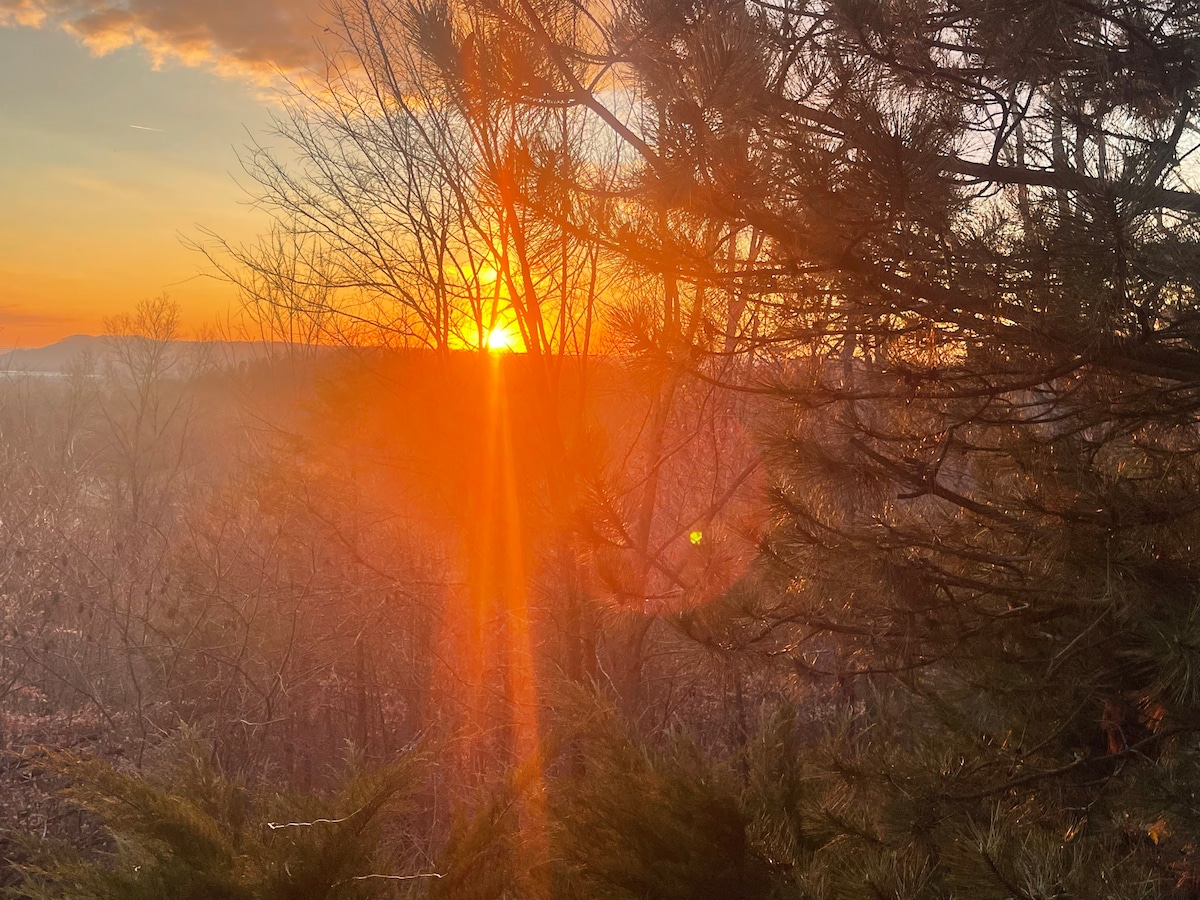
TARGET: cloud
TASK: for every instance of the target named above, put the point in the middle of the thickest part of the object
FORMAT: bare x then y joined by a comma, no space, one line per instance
13,316
10,316
235,37
21,12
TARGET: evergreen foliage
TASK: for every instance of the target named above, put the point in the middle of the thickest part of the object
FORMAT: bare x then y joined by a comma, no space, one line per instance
663,822
881,808
195,835
973,292
482,858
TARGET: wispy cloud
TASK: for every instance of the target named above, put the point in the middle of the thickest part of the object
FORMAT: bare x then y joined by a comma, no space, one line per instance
237,37
22,12
12,316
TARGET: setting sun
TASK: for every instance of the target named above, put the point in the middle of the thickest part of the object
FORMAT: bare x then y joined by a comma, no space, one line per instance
502,338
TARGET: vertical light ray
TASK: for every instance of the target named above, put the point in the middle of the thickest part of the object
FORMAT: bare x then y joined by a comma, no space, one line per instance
499,595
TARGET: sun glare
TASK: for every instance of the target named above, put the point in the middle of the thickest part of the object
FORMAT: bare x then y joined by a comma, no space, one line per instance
501,338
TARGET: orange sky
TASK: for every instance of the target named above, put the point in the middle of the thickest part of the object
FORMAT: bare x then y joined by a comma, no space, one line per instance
93,207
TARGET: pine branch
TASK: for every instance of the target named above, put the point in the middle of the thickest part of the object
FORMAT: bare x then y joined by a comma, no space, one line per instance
1084,762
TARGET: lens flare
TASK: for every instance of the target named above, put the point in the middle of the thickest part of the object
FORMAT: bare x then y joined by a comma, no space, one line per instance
501,338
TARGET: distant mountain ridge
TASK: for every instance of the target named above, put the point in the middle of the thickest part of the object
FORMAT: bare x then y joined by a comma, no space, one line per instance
58,357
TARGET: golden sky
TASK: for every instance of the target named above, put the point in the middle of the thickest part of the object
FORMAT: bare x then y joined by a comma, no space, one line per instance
119,129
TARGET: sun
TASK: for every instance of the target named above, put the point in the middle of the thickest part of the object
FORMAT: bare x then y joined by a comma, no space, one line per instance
501,338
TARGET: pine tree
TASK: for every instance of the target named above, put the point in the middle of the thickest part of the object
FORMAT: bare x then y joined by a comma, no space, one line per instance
973,289
190,833
957,242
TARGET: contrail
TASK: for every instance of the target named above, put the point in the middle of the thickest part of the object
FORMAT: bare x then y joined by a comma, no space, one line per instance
144,128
